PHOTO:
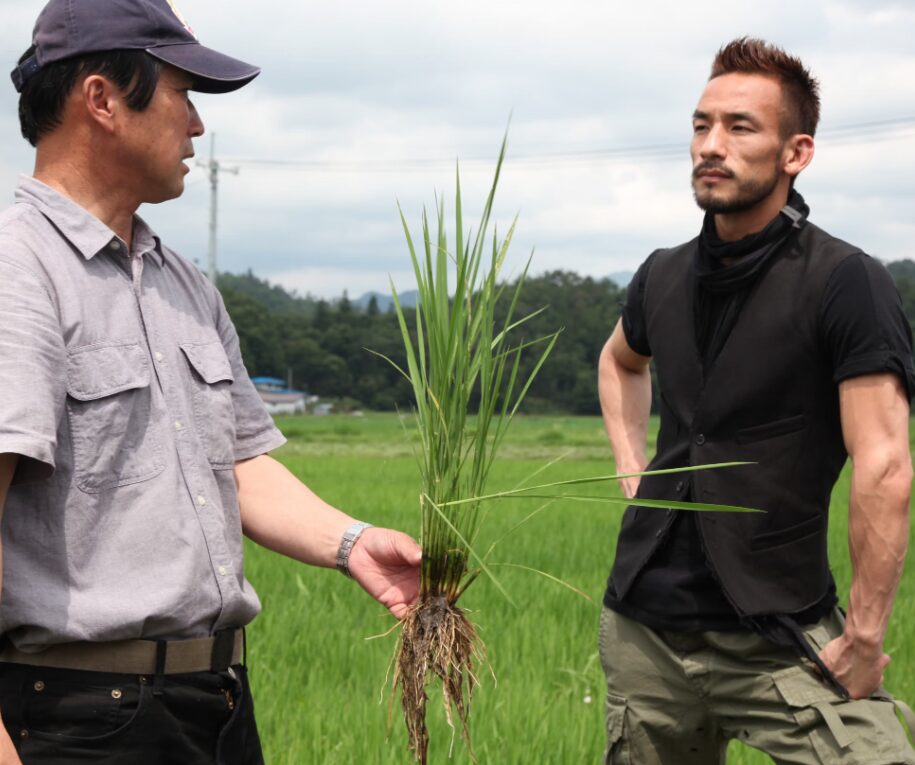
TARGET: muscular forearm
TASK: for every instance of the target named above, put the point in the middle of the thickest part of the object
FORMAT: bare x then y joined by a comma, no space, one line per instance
625,399
875,426
279,512
878,541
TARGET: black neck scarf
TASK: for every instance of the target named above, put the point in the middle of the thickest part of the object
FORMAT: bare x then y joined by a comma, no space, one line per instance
721,290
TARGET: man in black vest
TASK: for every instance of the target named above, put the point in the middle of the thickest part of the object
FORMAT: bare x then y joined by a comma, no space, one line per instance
778,345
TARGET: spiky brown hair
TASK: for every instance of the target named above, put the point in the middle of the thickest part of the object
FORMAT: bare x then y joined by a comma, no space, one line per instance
800,90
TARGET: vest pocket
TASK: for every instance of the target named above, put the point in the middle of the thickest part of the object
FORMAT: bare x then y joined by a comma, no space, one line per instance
779,536
772,429
214,413
109,404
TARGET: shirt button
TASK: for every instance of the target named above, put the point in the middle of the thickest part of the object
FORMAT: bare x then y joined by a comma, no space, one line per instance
178,425
223,571
115,244
201,500
158,356
39,685
700,439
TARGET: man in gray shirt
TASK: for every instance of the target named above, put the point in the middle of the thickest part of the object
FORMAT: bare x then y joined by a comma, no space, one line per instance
132,443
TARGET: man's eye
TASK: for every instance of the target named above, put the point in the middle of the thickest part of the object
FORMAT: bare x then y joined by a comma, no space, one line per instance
699,128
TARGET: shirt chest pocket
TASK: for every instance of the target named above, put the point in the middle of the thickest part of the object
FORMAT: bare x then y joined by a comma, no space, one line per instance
214,413
109,405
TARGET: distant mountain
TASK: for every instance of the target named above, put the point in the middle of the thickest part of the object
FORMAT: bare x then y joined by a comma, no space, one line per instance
271,296
277,300
904,269
385,301
621,278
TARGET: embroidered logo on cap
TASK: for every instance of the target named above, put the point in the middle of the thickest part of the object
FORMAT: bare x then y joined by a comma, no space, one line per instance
171,4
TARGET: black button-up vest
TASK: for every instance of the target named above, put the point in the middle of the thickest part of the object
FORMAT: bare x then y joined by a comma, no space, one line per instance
769,399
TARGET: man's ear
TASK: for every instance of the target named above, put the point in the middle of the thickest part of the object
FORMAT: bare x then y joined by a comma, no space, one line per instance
101,100
797,154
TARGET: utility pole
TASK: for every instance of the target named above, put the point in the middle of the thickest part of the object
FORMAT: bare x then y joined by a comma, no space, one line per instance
214,168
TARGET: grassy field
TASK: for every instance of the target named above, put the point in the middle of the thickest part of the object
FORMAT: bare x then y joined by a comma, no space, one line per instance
319,681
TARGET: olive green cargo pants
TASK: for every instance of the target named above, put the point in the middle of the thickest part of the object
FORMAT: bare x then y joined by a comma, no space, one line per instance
678,698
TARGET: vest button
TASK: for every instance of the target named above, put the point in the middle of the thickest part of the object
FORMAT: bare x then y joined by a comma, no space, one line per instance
700,439
679,486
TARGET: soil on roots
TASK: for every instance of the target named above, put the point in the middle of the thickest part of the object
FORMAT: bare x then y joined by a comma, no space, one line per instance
437,640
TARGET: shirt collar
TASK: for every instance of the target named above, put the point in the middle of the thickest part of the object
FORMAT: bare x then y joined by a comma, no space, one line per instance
146,241
80,227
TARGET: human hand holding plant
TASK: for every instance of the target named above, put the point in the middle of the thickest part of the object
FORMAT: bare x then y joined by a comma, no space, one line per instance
386,565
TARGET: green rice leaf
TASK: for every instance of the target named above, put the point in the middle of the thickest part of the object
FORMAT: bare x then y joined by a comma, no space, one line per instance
473,554
548,576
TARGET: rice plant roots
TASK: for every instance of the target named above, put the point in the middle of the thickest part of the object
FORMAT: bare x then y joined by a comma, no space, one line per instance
437,640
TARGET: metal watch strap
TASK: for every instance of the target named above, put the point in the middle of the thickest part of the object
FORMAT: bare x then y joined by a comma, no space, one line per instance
346,545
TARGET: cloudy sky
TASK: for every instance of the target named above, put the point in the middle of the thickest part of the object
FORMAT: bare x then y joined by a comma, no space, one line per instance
364,104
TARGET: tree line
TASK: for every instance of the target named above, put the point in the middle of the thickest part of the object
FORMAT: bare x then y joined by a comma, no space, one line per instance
324,347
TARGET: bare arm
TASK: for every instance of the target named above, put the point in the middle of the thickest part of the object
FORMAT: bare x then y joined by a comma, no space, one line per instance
8,462
282,514
875,425
624,387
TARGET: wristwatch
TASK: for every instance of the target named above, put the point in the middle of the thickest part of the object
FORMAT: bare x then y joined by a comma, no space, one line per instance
346,545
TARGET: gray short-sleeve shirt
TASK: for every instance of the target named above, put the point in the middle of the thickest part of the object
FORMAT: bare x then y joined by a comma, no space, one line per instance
123,391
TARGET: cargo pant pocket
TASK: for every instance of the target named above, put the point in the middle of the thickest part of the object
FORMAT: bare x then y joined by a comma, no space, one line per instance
617,752
842,731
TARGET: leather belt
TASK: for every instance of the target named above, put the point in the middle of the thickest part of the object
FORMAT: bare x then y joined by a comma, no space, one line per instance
138,657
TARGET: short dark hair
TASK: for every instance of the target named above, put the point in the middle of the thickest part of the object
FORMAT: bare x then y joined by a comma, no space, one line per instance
800,90
44,94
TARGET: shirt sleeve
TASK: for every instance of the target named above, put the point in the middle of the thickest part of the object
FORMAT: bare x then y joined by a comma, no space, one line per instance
864,324
255,433
633,311
33,363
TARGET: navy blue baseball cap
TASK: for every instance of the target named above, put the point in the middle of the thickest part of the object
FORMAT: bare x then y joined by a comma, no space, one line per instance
68,28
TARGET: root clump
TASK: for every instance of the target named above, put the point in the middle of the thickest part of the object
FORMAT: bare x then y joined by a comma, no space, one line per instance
437,640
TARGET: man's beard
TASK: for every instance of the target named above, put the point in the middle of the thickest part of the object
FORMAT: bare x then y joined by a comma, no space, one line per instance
748,194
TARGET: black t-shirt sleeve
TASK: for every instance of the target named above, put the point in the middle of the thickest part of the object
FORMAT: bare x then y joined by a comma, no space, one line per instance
863,323
633,312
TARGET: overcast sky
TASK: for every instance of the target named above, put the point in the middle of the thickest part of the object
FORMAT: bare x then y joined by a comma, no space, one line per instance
372,102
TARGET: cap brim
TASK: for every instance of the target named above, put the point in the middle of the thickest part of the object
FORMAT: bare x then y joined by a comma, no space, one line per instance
213,72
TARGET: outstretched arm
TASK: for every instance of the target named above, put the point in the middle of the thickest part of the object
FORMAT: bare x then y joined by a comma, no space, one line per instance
279,512
875,425
624,387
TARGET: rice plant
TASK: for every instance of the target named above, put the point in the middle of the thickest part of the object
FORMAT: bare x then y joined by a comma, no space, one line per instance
463,359
464,367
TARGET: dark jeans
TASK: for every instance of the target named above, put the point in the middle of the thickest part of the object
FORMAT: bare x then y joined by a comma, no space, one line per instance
61,716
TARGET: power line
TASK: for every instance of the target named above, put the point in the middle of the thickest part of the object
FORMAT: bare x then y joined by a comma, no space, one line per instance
886,129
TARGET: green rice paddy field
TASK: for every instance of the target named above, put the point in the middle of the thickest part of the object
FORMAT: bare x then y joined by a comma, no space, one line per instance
319,681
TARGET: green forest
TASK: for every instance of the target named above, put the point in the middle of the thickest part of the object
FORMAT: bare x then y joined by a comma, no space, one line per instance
324,346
